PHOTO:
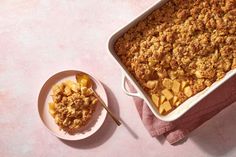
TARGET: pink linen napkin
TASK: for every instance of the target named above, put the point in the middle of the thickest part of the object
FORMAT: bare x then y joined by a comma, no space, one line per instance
178,130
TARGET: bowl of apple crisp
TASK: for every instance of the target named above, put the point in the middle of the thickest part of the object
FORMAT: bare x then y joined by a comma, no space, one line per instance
69,108
177,52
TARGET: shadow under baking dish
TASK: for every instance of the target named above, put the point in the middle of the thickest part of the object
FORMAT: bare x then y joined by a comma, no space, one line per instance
44,98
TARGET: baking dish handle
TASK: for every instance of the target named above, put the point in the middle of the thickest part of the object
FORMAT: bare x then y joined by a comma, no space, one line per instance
124,79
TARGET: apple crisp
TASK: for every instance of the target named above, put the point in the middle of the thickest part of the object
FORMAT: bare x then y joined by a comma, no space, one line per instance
180,49
73,105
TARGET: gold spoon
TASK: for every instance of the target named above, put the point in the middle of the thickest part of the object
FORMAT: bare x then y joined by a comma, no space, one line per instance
89,84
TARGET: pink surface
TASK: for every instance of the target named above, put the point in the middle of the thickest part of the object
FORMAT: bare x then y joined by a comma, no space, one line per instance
41,37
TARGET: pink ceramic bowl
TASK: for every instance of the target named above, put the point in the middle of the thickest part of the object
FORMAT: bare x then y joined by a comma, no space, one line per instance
44,98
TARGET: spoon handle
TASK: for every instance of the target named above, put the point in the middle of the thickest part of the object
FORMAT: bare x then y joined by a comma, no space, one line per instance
107,109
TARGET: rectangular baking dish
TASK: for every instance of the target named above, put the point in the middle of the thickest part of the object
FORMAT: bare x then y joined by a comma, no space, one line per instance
185,106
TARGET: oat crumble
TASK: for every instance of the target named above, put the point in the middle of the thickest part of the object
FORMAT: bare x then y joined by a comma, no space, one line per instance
180,49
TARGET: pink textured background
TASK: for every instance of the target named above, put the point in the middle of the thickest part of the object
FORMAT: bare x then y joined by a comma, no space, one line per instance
41,37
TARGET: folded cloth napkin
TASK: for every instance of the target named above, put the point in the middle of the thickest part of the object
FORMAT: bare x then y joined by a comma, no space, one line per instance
179,129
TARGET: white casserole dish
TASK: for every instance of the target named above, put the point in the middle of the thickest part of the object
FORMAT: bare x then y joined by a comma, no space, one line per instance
185,106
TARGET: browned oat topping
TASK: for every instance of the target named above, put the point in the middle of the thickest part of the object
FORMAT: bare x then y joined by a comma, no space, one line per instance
73,105
180,49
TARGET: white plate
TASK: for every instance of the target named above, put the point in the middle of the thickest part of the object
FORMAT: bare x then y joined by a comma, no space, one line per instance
44,98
